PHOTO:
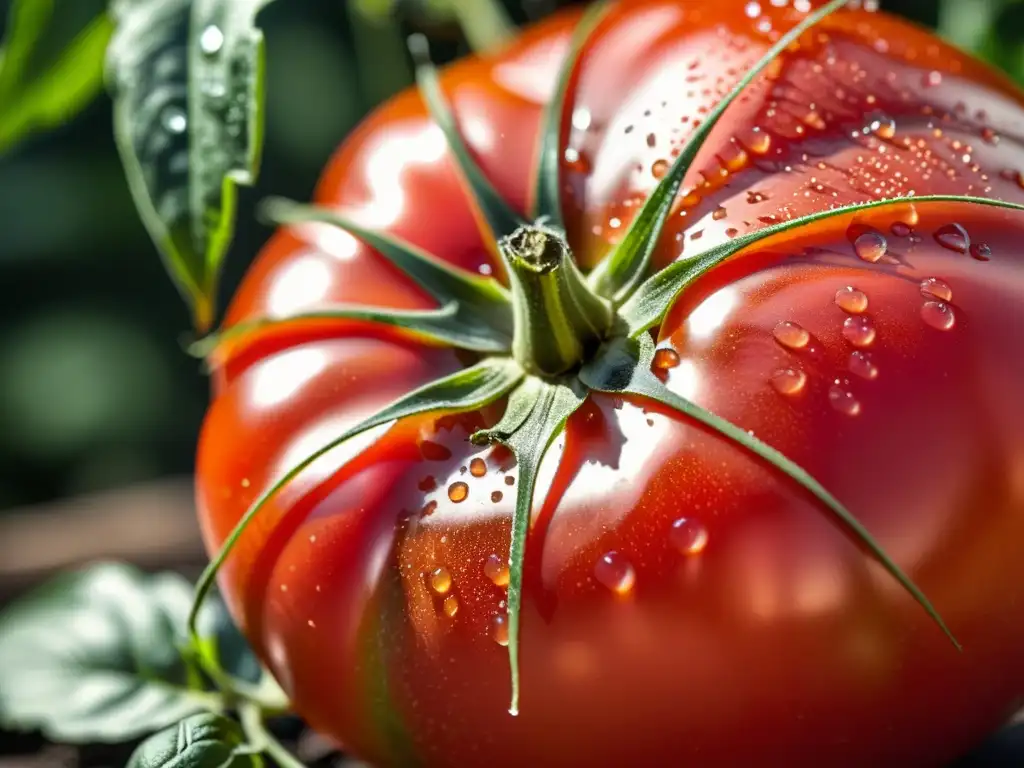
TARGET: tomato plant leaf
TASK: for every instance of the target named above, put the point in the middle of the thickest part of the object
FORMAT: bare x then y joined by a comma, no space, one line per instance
501,220
624,367
653,299
187,81
94,656
51,64
622,270
439,326
201,741
546,205
537,413
465,390
481,301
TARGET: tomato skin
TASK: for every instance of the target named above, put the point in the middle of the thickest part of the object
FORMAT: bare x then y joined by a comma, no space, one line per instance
780,642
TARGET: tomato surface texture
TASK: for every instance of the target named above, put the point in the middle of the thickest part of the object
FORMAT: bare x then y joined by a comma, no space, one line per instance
683,602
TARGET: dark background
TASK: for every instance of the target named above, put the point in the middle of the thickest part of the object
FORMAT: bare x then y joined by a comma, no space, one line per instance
96,393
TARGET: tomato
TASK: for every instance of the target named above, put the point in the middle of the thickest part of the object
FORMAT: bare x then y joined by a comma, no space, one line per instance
683,602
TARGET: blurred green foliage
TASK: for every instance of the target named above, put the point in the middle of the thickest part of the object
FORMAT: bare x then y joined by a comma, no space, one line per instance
95,389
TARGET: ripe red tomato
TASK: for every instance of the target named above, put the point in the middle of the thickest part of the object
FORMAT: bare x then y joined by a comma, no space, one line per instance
683,602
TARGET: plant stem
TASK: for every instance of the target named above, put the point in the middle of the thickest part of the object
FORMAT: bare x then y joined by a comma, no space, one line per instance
485,23
262,740
558,319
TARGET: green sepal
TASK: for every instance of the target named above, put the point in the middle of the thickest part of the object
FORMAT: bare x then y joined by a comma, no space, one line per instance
481,301
520,405
500,218
623,269
653,299
201,741
538,411
546,203
439,326
465,390
624,367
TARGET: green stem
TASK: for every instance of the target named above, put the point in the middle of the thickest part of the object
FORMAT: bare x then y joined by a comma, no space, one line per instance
485,23
262,740
559,321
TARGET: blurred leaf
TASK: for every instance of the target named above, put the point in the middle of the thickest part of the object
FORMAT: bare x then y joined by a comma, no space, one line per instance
200,741
94,656
187,81
485,23
51,66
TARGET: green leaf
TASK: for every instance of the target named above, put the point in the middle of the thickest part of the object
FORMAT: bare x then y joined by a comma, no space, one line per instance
537,413
623,269
440,326
624,367
200,741
51,65
94,656
465,390
187,81
481,301
654,298
501,219
547,184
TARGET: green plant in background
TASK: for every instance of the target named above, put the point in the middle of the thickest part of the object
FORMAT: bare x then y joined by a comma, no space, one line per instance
187,81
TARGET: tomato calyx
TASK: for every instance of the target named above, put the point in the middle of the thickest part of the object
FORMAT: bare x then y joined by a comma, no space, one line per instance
554,335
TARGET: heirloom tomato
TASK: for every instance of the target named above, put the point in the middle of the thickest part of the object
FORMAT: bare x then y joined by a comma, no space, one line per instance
748,360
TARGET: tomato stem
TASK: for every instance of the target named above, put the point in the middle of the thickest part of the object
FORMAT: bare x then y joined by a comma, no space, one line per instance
559,321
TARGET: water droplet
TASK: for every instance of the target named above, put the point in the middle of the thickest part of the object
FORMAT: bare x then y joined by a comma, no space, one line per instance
933,288
843,400
870,246
652,140
791,335
659,169
496,569
509,480
849,299
499,629
576,161
458,492
900,229
862,365
581,118
719,213
211,40
496,496
859,331
689,537
989,136
451,606
615,572
953,237
981,251
939,315
789,381
666,358
883,126
441,580
174,120
932,79
478,467
757,141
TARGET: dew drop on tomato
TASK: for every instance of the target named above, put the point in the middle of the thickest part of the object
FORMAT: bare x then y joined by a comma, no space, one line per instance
842,399
981,251
659,169
450,606
478,467
615,572
939,315
859,331
901,229
496,569
861,365
791,335
458,492
953,237
496,496
932,288
499,629
688,537
870,246
666,358
719,213
789,381
849,299
441,580
509,480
